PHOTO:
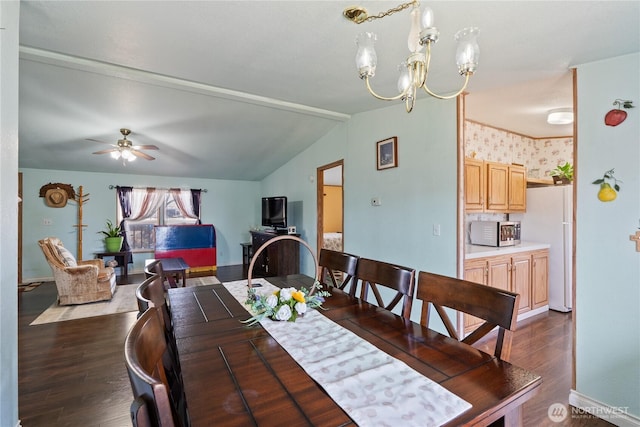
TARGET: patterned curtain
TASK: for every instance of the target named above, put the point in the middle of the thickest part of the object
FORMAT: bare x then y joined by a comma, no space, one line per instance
137,204
124,198
196,200
188,202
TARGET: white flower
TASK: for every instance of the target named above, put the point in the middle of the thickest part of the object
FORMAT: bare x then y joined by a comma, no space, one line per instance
301,307
283,313
271,301
285,294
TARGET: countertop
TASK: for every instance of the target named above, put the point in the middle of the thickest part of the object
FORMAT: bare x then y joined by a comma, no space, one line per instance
476,251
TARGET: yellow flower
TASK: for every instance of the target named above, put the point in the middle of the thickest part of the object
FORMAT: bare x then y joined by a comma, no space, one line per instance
298,296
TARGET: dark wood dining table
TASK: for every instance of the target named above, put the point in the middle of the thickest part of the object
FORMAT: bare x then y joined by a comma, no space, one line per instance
235,375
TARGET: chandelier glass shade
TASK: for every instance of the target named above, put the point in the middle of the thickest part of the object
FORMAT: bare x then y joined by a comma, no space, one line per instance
415,70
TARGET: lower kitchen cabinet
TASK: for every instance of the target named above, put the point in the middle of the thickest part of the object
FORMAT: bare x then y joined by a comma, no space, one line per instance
525,273
540,279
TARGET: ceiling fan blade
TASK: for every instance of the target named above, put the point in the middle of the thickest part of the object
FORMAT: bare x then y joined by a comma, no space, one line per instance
110,150
101,142
145,147
142,155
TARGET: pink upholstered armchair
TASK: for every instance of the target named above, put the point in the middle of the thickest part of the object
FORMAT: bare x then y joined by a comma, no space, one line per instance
78,282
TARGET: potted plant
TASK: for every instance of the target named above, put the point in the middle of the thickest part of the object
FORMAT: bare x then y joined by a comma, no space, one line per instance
562,174
113,240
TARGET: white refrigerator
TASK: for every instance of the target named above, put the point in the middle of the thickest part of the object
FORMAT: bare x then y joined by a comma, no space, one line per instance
548,219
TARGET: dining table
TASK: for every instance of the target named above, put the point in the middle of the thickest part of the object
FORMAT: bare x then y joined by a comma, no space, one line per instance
239,375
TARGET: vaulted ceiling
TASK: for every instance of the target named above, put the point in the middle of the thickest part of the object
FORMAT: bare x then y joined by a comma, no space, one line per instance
235,89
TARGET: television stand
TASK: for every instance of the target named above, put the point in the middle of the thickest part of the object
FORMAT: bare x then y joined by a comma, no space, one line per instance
279,259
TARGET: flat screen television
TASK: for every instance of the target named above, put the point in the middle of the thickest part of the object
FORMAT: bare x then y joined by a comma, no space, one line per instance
274,212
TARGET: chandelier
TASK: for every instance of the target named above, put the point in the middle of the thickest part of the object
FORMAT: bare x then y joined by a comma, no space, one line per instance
415,70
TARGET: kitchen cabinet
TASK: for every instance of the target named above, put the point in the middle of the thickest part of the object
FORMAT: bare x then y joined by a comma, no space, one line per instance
540,279
474,271
517,188
521,280
499,272
525,273
497,187
494,187
474,185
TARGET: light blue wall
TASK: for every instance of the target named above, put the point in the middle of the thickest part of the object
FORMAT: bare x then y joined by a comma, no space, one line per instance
420,192
296,181
9,18
608,273
231,206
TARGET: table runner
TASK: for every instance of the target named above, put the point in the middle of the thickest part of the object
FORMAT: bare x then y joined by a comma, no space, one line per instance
373,388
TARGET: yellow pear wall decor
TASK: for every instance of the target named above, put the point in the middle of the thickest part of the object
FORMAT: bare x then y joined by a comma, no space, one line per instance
606,192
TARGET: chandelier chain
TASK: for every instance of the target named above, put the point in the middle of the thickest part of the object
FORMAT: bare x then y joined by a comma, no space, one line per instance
389,12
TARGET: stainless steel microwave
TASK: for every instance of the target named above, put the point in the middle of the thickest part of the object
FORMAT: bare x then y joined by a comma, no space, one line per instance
495,233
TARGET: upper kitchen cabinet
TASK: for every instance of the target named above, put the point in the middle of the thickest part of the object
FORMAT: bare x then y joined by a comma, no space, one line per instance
494,187
497,187
474,185
517,188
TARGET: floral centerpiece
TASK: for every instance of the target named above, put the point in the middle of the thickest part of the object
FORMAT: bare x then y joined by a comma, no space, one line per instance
285,304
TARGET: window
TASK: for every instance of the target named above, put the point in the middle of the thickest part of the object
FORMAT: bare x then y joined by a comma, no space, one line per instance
143,208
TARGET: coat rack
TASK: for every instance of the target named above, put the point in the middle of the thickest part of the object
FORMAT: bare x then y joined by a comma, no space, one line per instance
80,199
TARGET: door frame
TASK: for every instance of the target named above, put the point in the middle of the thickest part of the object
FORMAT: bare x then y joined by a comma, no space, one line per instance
320,202
19,228
461,117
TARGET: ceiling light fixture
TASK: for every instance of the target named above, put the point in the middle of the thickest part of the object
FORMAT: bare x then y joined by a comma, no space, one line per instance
123,153
414,71
560,116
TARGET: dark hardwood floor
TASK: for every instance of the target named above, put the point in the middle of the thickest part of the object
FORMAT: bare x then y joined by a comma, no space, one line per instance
72,373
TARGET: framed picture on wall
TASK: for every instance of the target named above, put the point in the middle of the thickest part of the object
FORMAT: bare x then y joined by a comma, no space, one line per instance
387,153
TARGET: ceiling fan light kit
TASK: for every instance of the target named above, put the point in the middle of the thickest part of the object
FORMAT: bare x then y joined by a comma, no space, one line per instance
124,150
415,70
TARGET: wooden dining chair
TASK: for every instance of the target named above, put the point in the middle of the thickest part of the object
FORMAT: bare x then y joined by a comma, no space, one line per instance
334,262
144,350
140,413
153,268
495,306
373,274
151,294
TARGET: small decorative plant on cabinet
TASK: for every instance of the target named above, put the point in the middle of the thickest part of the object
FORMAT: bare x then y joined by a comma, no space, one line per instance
562,174
113,237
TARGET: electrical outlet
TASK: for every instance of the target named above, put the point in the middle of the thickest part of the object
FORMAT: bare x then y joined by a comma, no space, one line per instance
436,229
375,201
47,221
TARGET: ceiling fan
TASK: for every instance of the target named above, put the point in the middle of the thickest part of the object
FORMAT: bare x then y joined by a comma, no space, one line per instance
125,150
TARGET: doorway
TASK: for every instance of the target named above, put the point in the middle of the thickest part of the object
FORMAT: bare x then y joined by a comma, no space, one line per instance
483,119
330,206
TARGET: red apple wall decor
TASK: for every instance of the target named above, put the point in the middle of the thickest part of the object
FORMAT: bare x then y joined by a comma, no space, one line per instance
617,116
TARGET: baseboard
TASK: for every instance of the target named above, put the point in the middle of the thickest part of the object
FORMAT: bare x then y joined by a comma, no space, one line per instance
37,279
533,312
617,416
